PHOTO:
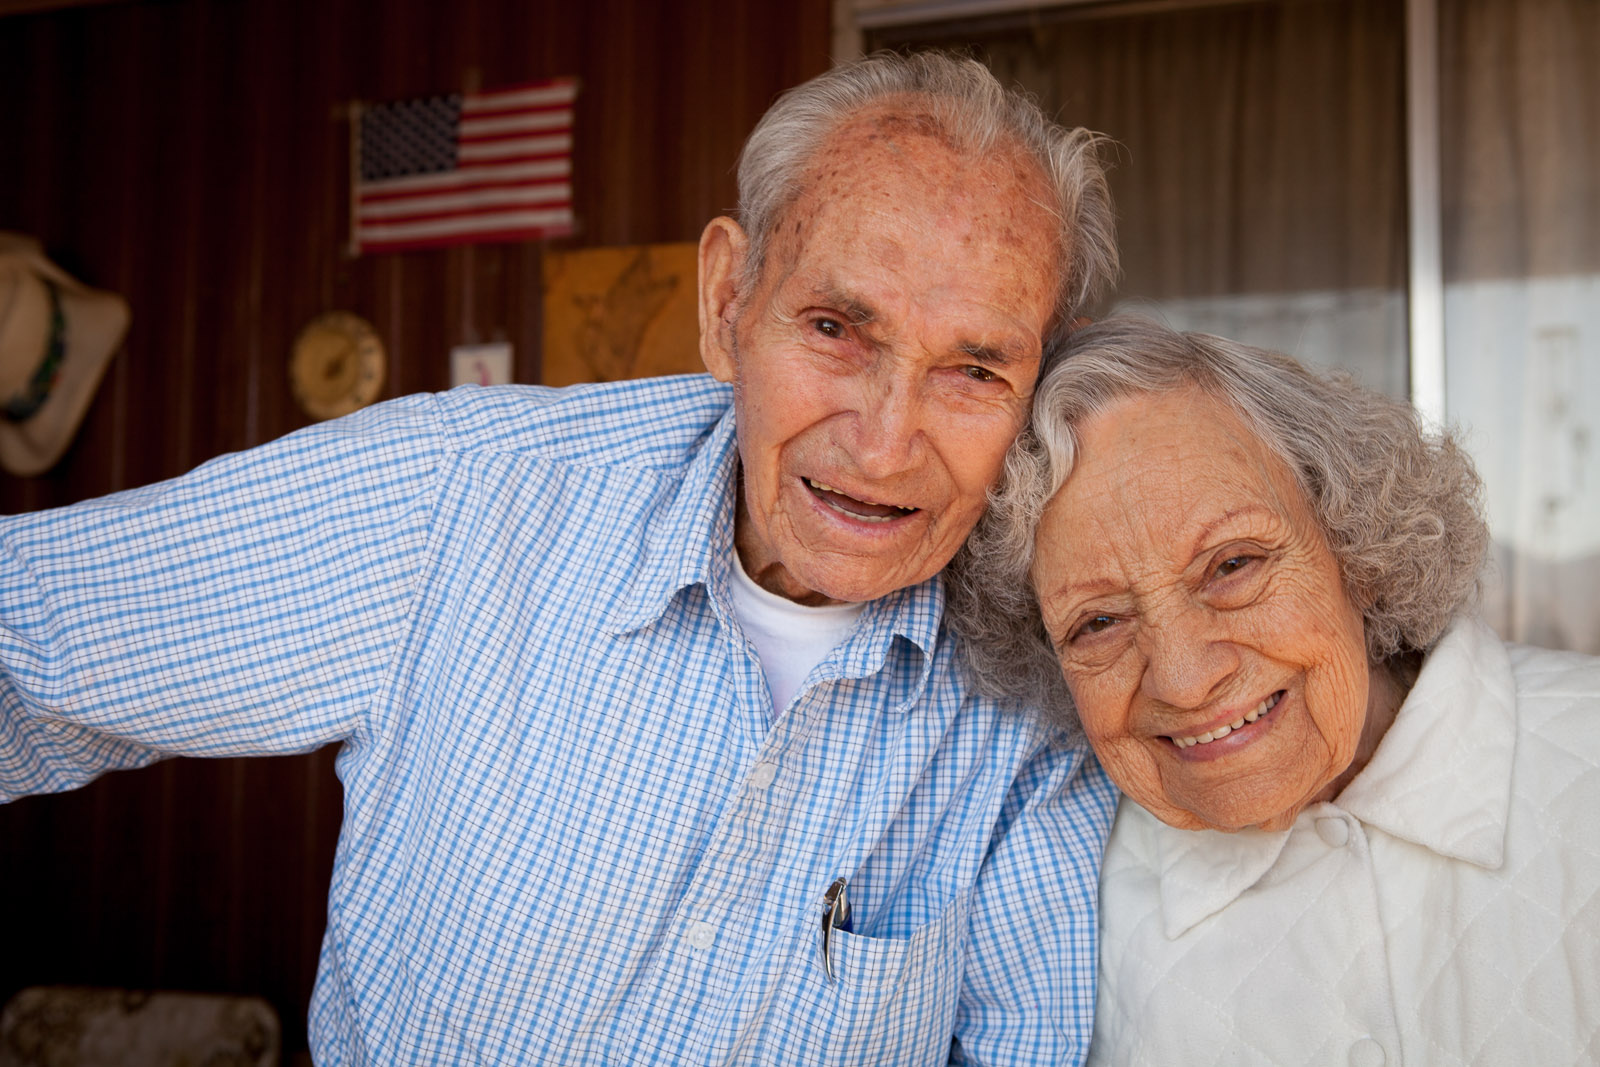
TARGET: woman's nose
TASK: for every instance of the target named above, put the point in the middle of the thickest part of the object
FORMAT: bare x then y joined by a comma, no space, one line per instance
1187,656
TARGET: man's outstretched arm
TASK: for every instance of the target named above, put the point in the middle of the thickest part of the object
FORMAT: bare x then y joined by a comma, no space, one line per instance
248,607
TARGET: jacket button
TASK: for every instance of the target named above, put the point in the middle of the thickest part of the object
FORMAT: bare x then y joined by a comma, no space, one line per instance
1367,1053
1333,832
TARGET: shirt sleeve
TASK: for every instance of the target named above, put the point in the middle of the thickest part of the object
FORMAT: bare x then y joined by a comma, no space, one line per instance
250,607
1028,988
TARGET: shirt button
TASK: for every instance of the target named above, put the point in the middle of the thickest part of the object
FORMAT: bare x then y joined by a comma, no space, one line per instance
1335,834
702,935
763,774
1367,1053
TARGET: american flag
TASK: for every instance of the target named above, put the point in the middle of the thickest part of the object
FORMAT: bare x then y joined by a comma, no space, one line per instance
463,168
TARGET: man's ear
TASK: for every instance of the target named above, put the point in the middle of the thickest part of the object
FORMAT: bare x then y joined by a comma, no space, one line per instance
722,251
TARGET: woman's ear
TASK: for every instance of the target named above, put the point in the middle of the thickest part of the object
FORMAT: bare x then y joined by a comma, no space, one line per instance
722,252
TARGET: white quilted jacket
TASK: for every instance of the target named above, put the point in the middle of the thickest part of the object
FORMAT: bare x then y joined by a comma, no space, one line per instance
1445,909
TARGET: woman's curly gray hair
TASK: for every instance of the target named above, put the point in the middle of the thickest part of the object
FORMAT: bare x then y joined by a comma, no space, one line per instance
962,102
1400,506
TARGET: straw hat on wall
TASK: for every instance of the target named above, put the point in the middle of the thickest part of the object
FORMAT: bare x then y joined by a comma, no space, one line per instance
56,337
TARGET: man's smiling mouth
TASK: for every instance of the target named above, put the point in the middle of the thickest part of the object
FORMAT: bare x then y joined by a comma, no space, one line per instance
1228,727
863,510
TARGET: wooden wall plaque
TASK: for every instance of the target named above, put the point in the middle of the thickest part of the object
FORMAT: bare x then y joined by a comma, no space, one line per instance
620,312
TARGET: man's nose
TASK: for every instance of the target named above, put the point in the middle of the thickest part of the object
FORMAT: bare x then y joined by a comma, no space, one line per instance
888,425
1188,655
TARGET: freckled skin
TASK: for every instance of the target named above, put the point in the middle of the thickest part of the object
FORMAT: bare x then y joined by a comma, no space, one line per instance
888,350
1183,580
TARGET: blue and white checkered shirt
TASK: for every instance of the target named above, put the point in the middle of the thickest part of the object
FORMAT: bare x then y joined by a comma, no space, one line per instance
573,831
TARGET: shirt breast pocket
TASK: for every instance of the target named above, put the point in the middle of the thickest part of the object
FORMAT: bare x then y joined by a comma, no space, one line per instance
891,1000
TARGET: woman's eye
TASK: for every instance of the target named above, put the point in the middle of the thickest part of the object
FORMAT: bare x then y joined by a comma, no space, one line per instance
978,374
1094,624
830,328
1232,565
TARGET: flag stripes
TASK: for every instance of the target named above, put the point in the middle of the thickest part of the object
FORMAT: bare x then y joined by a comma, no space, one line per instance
493,166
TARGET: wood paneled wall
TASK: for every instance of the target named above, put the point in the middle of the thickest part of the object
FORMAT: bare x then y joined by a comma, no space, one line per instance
192,155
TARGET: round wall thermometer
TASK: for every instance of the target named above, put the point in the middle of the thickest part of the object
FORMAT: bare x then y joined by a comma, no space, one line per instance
337,365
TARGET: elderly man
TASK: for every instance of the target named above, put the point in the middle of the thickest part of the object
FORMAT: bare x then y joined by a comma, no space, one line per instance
654,748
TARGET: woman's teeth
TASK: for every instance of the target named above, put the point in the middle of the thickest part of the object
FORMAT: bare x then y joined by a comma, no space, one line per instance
1227,728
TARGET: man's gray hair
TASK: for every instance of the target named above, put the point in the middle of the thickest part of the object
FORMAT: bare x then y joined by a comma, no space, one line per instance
1401,507
972,112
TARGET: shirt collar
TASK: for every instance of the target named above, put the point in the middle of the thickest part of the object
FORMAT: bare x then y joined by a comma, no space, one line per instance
690,527
1441,779
913,614
690,541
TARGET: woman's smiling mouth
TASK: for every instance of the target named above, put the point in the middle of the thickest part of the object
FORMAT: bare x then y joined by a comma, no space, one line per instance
855,508
1228,727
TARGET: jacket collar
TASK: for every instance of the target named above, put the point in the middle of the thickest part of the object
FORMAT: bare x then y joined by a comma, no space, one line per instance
1441,779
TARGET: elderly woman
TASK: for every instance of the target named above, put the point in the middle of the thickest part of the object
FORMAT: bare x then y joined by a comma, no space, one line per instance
1357,827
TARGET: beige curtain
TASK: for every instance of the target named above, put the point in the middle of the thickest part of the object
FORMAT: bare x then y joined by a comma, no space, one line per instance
1261,194
1520,110
1260,177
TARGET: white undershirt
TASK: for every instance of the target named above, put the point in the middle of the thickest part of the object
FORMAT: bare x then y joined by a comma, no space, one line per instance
789,638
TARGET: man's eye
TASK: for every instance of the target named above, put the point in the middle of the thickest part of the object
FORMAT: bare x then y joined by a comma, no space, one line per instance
978,374
830,327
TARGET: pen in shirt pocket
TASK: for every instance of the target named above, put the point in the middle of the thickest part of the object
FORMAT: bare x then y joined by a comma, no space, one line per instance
835,917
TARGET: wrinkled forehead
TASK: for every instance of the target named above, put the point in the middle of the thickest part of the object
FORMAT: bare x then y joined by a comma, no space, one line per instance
902,120
904,163
1187,449
911,144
